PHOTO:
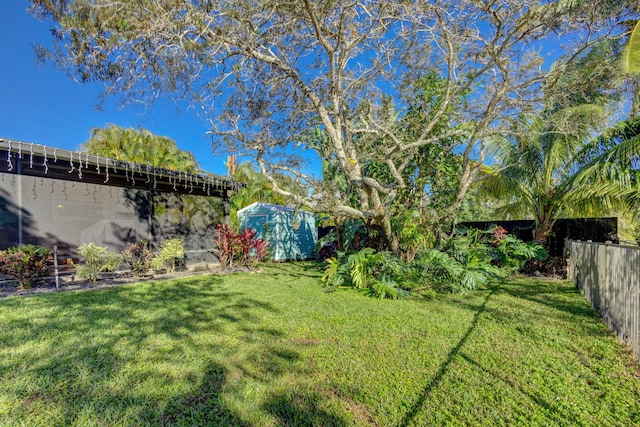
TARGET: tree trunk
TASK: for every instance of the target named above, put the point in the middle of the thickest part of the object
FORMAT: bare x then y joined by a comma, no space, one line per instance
391,238
541,233
544,224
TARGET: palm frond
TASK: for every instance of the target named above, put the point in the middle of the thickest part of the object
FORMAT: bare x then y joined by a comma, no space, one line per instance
610,173
631,55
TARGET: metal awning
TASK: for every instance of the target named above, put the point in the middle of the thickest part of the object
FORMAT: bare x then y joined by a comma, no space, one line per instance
25,158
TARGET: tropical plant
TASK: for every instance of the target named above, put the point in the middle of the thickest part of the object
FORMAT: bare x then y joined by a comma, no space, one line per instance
496,245
514,253
138,256
470,259
327,245
463,272
259,250
630,69
244,244
171,252
26,263
334,272
631,57
239,247
536,166
368,270
551,164
96,259
224,245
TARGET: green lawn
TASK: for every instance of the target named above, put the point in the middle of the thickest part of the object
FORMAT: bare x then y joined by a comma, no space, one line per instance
274,349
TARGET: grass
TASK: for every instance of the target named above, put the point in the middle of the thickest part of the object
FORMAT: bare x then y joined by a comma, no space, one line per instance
273,349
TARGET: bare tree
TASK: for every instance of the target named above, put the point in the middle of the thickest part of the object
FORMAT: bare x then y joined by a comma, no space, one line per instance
266,71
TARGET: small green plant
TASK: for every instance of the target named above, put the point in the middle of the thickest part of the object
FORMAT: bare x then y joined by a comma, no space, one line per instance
171,251
97,259
138,256
26,263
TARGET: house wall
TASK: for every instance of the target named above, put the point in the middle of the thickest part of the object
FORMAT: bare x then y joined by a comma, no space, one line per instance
48,212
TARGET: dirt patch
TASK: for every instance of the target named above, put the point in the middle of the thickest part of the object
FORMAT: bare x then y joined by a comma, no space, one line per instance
302,341
359,410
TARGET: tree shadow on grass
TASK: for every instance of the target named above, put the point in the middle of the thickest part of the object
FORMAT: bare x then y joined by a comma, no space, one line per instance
521,318
444,368
548,408
204,407
301,408
84,348
556,295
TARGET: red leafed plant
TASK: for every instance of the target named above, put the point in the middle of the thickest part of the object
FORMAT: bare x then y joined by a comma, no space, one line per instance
224,242
245,239
498,234
26,263
238,247
261,247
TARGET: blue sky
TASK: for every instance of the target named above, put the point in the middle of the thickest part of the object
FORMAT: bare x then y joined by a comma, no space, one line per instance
40,104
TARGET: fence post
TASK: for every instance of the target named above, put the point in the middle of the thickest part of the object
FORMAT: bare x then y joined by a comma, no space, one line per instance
55,265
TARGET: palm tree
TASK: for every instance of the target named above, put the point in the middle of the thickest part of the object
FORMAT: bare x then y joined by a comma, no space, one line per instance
140,146
630,69
544,169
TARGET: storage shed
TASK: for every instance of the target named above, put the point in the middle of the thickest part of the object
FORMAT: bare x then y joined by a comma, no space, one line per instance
291,233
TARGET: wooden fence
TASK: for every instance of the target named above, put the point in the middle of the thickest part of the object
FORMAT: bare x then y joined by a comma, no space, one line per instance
609,277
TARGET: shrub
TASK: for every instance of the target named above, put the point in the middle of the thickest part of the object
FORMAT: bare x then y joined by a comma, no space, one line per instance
465,262
371,271
243,244
96,259
459,273
138,256
259,249
25,263
473,257
224,243
327,246
171,251
239,247
513,253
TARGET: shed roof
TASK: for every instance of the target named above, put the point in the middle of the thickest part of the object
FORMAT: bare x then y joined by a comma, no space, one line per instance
49,162
272,208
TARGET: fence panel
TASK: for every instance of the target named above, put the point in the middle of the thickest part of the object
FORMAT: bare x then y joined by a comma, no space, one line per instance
608,276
